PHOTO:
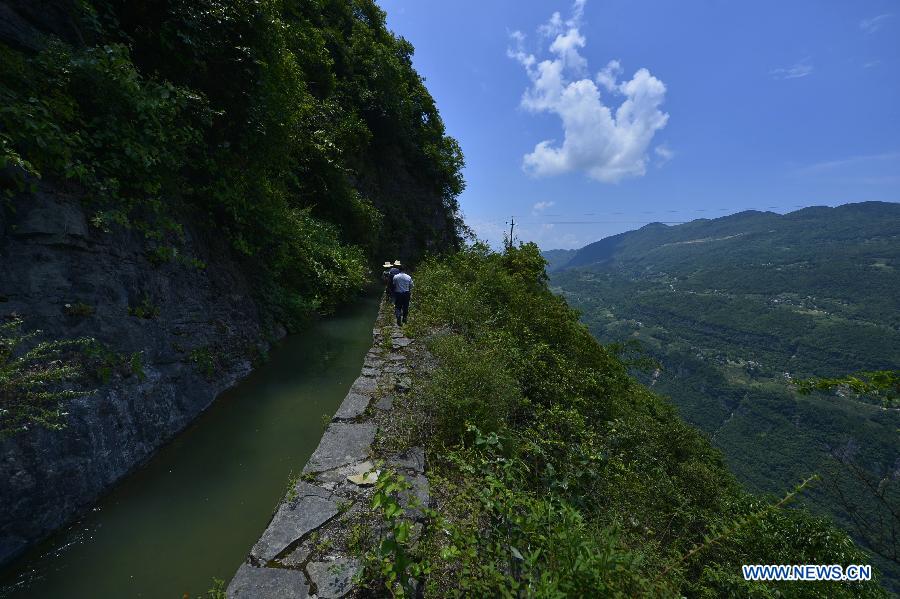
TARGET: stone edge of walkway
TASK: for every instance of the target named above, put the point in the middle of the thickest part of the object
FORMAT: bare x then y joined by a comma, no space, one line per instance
280,565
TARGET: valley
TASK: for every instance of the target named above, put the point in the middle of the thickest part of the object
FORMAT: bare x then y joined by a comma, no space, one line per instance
734,310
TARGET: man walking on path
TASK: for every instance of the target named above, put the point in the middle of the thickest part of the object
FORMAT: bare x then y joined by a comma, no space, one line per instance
402,284
390,277
386,277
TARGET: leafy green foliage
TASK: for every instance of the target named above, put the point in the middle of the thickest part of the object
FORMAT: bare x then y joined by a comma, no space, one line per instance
145,309
393,561
88,116
37,378
312,258
102,363
313,105
202,358
882,386
297,130
217,591
472,384
580,478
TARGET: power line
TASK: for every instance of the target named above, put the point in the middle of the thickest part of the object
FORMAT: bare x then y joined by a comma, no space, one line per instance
601,222
575,220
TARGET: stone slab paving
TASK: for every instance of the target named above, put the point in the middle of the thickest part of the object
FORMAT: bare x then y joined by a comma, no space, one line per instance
364,384
353,406
342,443
412,460
333,579
303,551
256,583
386,403
311,509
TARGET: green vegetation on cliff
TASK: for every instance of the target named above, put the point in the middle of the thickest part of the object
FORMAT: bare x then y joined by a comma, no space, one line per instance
299,130
30,381
557,474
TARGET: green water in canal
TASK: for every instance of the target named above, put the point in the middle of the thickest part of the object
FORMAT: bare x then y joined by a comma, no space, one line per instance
193,512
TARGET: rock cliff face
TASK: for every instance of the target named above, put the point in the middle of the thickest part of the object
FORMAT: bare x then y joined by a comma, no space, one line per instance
49,257
24,23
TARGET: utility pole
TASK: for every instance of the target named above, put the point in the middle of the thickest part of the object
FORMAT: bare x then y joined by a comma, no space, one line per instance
512,224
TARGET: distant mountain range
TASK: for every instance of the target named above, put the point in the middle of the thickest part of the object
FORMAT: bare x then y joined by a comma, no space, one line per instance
735,307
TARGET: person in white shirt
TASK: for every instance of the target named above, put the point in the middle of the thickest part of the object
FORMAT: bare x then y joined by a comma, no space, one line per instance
402,284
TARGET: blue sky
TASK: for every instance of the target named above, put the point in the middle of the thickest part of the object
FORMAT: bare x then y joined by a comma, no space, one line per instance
659,111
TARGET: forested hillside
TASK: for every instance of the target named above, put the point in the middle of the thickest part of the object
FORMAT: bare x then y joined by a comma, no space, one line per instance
298,130
734,309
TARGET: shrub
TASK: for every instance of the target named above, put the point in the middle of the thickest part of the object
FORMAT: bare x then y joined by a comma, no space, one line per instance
470,385
37,379
202,358
145,309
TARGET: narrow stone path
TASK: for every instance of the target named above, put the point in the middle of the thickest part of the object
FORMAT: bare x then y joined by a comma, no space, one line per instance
309,547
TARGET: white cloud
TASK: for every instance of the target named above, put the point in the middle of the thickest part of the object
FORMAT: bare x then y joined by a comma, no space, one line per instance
663,154
873,24
864,161
796,71
608,145
551,27
608,76
868,169
541,206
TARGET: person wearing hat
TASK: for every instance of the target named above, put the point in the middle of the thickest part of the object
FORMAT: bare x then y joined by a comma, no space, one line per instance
395,268
402,284
385,276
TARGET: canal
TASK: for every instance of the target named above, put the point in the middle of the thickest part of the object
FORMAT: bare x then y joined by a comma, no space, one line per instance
192,513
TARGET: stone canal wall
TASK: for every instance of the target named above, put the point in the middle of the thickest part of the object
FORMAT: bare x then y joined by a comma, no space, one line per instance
196,333
307,550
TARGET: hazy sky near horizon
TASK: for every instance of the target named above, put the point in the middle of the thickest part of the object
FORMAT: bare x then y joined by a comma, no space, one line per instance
584,119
